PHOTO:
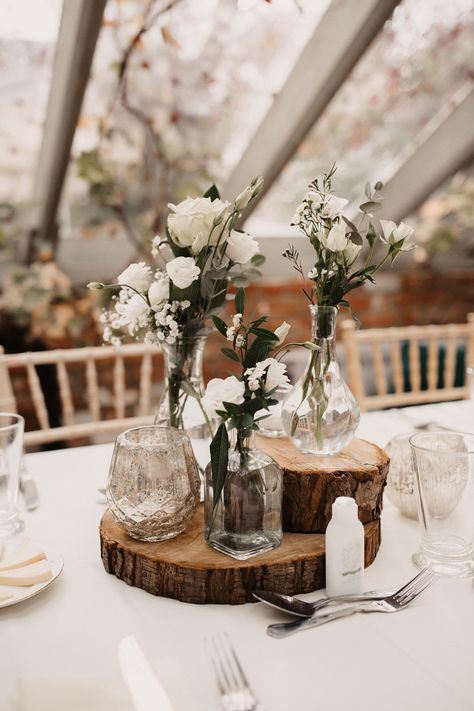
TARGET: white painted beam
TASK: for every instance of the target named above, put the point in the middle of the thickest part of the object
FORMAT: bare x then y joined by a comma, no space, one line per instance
340,39
444,146
80,25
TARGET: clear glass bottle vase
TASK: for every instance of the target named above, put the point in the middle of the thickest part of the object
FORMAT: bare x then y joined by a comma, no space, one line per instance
246,520
179,404
320,414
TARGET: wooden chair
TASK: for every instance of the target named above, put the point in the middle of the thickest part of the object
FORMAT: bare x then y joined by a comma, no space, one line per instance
404,359
71,428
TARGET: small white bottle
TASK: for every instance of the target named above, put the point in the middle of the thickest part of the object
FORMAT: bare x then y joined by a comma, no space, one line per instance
344,549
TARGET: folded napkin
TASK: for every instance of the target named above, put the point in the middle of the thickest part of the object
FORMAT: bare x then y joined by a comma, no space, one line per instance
104,694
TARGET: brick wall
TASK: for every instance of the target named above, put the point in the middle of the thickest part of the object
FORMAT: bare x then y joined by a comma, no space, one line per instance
398,299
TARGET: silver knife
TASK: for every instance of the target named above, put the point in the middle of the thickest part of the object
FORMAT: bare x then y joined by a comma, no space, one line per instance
145,689
28,487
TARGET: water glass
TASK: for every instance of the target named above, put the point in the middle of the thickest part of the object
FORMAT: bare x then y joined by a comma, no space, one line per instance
443,463
11,449
470,382
153,486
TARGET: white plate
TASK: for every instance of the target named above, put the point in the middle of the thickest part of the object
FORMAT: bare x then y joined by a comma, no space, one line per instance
20,593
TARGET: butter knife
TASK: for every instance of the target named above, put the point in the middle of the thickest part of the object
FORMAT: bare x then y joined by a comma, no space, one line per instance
28,487
145,689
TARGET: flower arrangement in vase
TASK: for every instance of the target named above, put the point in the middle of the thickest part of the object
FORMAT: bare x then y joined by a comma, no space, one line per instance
320,414
171,305
243,485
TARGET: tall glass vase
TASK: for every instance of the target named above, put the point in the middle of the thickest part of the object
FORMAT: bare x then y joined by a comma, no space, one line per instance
246,520
320,414
179,404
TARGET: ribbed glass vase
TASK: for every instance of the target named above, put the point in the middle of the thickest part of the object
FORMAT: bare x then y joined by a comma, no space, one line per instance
247,518
179,404
320,414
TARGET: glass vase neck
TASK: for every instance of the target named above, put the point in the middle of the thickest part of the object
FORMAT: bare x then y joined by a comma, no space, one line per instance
185,355
323,322
242,440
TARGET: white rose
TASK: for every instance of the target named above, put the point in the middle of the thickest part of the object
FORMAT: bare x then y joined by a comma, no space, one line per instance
137,275
333,206
191,221
282,332
183,271
220,390
132,313
241,247
393,234
351,252
276,373
337,240
159,291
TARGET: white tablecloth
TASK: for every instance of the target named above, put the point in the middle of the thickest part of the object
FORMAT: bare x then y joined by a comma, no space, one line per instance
58,651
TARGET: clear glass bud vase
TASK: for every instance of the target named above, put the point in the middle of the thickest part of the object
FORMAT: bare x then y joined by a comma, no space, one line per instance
320,414
179,404
247,518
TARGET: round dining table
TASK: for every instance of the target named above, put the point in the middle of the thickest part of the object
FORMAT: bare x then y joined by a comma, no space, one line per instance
58,650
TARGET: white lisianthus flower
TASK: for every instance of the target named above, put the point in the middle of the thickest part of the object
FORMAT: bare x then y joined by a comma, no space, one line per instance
191,222
137,275
132,313
393,234
182,271
250,192
333,206
351,252
337,240
159,291
282,332
241,247
276,373
221,390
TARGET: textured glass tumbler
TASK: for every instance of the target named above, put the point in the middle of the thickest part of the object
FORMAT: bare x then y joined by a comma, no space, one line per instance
443,464
401,488
11,449
153,486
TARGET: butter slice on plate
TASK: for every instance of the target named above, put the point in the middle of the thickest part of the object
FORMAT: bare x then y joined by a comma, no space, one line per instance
25,553
39,572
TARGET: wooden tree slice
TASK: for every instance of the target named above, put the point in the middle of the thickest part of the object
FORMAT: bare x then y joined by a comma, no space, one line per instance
312,483
186,568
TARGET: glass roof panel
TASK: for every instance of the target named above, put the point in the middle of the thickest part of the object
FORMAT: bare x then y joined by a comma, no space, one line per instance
198,82
28,33
411,71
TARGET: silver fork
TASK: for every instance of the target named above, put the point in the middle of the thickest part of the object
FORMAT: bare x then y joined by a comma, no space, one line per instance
391,603
234,688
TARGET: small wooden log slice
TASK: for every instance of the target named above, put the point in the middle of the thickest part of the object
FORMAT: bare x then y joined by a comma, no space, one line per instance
186,568
312,483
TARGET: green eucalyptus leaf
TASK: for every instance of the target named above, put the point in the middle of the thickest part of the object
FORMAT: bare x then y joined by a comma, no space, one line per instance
378,185
230,354
212,193
264,333
220,325
370,206
219,450
239,280
239,301
257,260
